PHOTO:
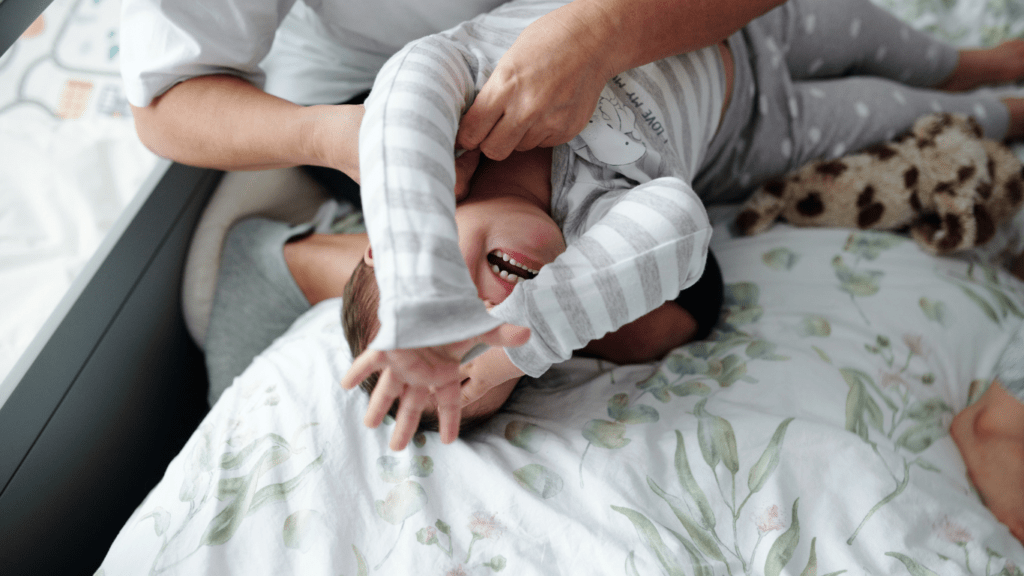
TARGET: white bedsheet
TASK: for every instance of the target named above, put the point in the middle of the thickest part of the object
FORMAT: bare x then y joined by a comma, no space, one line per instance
808,437
69,160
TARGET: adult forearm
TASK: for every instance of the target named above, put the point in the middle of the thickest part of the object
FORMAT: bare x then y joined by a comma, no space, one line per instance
635,32
226,123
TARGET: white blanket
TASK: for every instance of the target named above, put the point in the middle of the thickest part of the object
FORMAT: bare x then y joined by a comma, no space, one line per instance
809,436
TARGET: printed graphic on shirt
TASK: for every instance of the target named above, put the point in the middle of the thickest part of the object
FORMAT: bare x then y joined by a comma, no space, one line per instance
612,136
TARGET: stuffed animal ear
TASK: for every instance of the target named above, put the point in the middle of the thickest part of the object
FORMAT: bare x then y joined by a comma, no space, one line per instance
1006,195
762,208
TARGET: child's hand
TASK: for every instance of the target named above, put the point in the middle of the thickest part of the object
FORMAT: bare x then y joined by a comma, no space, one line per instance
413,375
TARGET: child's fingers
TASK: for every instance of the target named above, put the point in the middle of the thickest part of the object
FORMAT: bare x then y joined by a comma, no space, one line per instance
407,419
388,389
365,364
449,411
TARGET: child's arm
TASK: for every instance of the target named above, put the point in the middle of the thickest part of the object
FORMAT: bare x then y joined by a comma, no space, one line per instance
407,165
430,313
650,245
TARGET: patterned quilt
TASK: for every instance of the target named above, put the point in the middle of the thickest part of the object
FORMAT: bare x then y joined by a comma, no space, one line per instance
808,436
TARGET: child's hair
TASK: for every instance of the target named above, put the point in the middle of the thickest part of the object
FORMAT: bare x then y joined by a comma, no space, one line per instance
360,324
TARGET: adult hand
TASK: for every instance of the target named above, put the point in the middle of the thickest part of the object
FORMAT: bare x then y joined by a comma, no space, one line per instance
542,92
411,376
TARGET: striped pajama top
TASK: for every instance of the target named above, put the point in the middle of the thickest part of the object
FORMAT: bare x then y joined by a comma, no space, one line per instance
635,230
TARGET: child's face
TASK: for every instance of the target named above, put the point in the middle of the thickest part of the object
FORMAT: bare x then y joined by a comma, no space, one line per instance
497,228
505,240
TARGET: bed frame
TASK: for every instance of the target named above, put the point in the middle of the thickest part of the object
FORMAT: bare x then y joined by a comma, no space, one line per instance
111,387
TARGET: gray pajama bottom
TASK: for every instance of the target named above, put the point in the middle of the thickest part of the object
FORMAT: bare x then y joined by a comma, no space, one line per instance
822,78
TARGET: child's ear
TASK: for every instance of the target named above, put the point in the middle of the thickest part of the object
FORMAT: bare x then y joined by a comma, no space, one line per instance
368,256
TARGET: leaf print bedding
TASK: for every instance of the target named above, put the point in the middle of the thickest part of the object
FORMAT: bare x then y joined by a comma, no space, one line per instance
808,435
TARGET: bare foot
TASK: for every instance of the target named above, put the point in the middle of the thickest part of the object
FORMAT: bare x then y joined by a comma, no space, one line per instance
979,67
990,436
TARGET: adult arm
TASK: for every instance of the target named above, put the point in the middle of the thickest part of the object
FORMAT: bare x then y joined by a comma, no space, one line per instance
194,81
544,89
222,121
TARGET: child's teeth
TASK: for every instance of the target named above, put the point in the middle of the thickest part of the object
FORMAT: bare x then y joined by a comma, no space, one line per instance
503,274
512,261
495,268
504,257
513,278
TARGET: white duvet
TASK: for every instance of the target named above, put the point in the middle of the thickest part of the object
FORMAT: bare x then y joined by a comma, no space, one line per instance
809,436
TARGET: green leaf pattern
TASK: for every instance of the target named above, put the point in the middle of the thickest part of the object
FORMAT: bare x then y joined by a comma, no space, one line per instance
718,506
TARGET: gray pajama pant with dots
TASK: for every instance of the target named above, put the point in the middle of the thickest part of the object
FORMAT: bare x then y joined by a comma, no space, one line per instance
820,78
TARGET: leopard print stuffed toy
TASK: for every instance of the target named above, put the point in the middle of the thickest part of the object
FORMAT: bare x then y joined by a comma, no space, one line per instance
942,179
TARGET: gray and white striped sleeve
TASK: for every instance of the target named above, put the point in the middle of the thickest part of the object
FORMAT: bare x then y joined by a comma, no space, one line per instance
406,154
650,245
407,169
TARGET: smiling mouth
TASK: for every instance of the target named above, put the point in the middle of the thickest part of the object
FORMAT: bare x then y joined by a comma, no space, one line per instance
508,269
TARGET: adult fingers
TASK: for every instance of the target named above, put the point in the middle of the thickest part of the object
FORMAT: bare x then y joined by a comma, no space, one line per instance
388,389
533,138
504,137
480,119
365,364
407,419
449,411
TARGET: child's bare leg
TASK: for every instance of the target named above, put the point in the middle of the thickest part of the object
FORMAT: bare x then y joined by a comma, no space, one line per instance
990,436
979,67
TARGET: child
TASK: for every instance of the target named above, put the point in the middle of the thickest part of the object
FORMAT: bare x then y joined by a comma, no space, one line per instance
623,191
505,206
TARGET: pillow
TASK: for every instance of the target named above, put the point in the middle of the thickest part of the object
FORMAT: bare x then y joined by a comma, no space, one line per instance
286,194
